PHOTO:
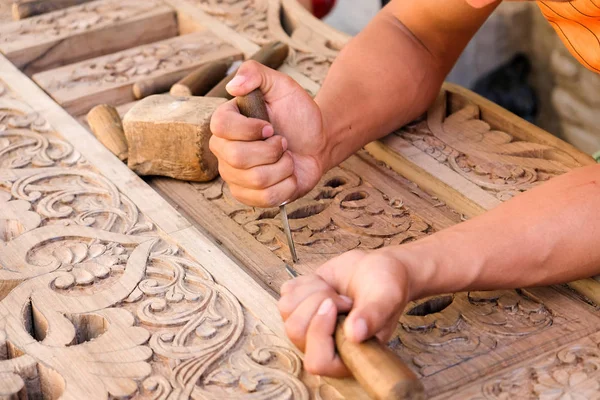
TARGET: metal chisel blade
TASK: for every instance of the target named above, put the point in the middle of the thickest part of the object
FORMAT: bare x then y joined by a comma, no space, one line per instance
288,232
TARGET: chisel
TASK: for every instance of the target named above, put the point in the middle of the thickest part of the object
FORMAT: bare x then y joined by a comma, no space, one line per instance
379,370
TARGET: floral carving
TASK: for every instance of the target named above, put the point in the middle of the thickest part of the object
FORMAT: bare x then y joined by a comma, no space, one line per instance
570,374
96,303
140,62
441,332
74,20
341,213
492,159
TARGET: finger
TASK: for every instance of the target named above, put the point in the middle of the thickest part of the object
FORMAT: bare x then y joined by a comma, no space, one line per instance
378,300
320,357
227,123
260,177
296,325
244,155
303,290
269,197
252,75
337,272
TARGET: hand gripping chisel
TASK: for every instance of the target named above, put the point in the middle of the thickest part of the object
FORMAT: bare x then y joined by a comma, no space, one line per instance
379,371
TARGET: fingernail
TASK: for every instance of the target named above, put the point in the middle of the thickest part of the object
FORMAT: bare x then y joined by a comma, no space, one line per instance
238,80
359,330
267,131
346,299
284,144
325,307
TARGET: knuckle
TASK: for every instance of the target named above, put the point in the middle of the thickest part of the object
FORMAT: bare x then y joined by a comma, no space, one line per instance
314,365
250,66
218,124
258,178
271,197
235,156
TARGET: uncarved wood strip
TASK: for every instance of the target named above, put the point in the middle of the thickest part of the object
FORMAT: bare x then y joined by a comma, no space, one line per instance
88,30
79,87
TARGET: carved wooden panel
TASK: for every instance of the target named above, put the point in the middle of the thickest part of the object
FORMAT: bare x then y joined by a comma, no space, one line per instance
569,372
494,160
95,301
89,30
358,205
262,21
455,339
468,145
109,79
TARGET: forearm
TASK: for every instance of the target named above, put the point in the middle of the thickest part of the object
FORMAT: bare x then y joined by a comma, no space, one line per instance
545,236
390,73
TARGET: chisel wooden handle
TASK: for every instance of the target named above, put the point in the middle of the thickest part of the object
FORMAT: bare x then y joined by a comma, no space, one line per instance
106,125
379,371
271,54
200,81
253,105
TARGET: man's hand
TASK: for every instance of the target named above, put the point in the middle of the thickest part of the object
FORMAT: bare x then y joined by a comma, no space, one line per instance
372,286
267,164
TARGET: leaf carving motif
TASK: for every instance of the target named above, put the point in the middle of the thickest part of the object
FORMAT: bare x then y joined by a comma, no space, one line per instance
570,373
472,324
341,213
74,20
492,159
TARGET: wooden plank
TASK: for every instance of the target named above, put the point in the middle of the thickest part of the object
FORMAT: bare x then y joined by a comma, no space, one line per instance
89,30
109,79
114,297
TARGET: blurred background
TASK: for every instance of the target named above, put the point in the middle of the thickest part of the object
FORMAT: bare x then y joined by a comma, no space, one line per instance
518,61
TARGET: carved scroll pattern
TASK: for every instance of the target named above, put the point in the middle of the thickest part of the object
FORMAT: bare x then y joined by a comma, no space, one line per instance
260,22
571,373
75,20
340,214
440,332
141,62
492,159
95,302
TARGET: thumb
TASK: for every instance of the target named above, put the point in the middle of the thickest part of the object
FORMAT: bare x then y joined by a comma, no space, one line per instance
251,75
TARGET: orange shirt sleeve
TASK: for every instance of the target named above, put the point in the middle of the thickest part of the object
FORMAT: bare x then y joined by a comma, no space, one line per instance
577,23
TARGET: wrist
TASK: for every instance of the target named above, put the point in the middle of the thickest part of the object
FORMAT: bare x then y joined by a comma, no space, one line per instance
438,264
337,141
